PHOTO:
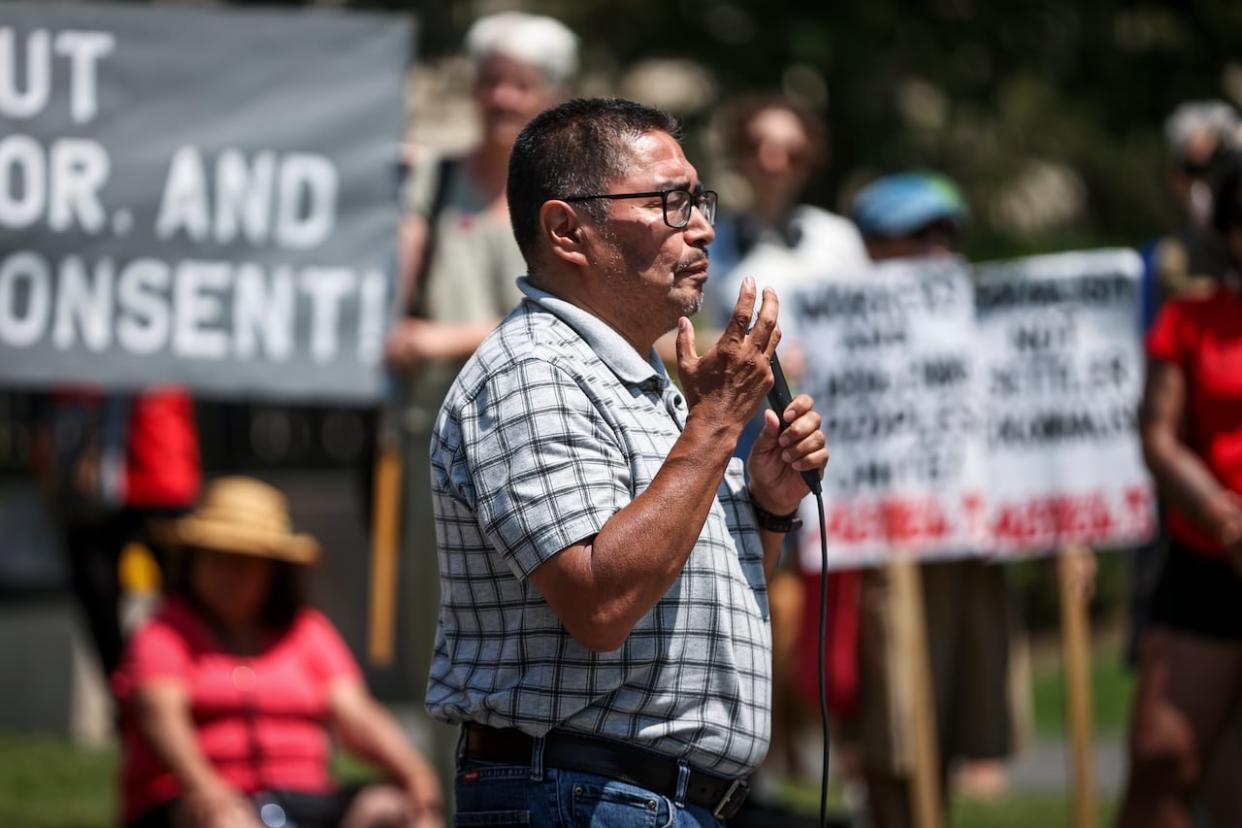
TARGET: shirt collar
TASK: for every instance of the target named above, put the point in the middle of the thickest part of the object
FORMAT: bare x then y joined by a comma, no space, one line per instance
602,338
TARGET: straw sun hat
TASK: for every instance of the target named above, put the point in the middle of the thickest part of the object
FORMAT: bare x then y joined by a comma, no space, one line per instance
242,516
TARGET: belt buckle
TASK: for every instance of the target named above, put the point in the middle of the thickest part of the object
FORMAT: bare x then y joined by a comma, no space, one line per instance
725,807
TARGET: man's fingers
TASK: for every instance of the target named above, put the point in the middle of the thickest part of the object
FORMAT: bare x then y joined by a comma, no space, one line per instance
743,310
797,453
799,430
686,351
766,440
815,461
773,341
799,406
761,335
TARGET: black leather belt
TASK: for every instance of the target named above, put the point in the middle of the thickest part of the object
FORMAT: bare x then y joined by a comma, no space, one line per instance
721,795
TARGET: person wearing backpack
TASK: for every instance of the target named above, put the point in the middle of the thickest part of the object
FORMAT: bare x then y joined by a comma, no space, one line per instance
110,462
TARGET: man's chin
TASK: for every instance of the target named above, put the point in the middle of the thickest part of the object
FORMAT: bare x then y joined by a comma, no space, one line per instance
685,299
692,304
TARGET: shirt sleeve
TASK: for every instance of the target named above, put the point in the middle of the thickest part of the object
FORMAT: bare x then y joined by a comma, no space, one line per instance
1171,336
157,651
545,465
329,657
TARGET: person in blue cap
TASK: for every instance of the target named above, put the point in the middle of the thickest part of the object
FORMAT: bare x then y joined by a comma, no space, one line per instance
965,602
910,214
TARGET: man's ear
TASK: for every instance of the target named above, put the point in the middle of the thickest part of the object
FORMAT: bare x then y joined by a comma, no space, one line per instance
562,227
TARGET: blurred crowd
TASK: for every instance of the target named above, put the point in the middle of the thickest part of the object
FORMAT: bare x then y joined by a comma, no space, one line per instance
227,691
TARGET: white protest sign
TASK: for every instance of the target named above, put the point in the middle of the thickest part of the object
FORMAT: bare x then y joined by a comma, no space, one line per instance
1061,353
996,422
890,365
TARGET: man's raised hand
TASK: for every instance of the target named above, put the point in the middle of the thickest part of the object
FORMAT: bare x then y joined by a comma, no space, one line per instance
733,377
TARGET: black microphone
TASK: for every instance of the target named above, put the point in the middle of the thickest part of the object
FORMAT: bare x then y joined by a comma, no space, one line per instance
780,398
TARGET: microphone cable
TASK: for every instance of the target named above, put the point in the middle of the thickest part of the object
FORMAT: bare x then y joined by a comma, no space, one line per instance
779,399
823,646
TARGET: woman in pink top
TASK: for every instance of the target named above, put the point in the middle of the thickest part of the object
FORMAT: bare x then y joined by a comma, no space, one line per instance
228,693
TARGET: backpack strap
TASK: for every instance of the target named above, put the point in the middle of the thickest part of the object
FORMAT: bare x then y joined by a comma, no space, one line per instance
417,305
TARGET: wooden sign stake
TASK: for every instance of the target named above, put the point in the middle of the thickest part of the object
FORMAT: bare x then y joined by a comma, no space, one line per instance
385,528
915,690
1076,647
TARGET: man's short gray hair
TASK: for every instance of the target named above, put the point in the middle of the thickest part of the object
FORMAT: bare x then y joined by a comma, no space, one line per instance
530,38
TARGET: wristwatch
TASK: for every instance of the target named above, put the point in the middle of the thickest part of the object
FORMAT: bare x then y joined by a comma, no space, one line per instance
774,523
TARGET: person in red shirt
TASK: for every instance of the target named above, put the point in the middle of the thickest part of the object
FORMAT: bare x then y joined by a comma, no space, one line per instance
227,694
1190,659
110,461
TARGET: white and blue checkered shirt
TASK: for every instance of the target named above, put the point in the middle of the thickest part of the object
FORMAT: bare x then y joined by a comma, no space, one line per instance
554,425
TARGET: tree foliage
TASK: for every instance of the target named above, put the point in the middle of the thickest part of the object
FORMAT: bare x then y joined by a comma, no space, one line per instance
1048,113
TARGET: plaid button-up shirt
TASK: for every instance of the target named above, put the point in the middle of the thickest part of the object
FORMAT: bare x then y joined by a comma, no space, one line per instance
554,425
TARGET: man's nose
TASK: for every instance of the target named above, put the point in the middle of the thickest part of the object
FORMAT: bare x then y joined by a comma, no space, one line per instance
699,231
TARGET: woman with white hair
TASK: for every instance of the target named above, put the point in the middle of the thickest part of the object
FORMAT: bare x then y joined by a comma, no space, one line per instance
460,265
459,261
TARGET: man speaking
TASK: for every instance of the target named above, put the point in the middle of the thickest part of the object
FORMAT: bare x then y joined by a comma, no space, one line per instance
603,635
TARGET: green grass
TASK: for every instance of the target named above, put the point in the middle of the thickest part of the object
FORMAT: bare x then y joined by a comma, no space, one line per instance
1013,810
1112,684
1022,811
48,784
347,770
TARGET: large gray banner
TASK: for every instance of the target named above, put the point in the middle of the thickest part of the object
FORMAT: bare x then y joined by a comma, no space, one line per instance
202,197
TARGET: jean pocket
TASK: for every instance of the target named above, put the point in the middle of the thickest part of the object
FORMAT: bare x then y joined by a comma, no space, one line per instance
618,805
493,819
493,795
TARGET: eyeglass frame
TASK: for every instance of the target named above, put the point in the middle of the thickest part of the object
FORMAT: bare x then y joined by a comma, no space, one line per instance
696,201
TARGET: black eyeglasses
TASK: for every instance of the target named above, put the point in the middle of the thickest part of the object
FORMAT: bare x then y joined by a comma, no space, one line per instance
677,204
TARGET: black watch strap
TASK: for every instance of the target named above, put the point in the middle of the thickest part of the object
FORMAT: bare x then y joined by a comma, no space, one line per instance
775,523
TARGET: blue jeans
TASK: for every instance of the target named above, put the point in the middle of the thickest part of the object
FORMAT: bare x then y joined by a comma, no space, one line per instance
498,795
